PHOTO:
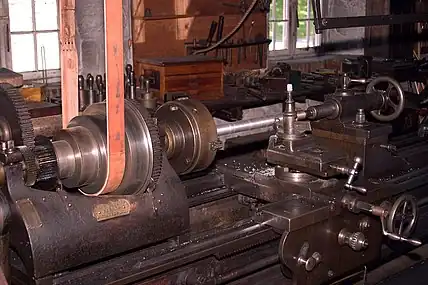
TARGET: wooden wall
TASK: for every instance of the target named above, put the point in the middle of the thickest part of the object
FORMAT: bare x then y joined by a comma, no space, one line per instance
162,27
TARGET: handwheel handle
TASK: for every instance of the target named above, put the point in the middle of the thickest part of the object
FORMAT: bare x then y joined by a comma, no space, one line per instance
399,211
398,108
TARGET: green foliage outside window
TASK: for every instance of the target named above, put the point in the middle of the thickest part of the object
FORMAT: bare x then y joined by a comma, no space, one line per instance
302,13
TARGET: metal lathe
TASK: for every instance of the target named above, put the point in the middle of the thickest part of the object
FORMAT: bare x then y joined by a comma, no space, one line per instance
303,194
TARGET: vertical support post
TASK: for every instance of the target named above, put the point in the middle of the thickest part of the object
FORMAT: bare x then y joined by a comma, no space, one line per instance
113,23
69,61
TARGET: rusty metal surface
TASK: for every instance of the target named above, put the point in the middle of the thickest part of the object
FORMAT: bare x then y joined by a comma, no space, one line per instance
47,126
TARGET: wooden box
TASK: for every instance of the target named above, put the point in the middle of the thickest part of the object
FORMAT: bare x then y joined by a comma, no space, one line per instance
200,77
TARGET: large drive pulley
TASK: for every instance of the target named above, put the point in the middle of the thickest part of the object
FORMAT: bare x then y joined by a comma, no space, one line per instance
82,158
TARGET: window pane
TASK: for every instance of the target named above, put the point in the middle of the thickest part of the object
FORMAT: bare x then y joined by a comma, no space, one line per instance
48,51
23,53
302,9
280,9
20,13
302,41
46,15
279,37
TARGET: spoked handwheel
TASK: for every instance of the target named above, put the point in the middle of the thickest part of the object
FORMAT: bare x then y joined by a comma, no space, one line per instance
402,216
393,103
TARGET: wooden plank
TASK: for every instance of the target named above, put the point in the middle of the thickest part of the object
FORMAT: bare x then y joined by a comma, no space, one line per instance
214,67
168,9
193,82
187,69
69,61
115,95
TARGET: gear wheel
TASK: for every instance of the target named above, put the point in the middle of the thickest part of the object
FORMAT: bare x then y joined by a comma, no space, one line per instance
157,149
31,168
14,111
152,126
46,159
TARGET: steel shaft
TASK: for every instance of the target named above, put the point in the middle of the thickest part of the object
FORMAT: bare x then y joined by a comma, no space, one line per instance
225,129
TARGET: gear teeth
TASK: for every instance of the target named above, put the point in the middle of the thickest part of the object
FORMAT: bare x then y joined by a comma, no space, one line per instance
157,149
22,116
31,168
156,143
46,159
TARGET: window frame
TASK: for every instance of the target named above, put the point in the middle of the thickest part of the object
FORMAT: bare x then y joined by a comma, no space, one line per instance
292,51
38,74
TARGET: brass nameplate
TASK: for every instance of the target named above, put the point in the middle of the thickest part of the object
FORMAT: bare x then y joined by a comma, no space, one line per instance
111,210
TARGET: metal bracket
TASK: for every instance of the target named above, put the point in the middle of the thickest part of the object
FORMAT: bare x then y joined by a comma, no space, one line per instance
322,23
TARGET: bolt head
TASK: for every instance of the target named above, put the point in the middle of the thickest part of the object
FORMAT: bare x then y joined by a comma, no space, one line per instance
364,224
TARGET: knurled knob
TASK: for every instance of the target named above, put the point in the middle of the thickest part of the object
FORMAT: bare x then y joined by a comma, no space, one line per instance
356,241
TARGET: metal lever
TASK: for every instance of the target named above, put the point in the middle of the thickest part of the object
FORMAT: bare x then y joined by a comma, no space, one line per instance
345,81
311,262
414,242
352,175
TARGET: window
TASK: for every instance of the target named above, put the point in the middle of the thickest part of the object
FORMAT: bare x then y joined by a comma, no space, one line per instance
291,26
34,35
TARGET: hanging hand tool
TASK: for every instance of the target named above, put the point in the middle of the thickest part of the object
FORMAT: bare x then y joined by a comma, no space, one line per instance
101,88
211,34
261,55
240,42
260,50
132,87
91,91
128,70
249,40
219,32
231,53
82,93
225,53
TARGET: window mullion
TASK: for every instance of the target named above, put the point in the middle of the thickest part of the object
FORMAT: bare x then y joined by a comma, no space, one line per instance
33,12
292,26
274,24
285,30
308,27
